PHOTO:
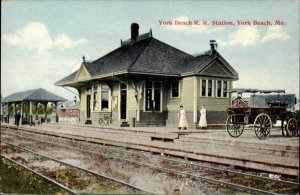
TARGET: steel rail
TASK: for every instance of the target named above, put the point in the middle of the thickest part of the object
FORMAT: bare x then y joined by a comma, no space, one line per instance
181,162
210,180
80,168
40,175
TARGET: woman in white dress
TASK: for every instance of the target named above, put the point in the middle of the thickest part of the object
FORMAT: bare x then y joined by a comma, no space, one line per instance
202,121
182,119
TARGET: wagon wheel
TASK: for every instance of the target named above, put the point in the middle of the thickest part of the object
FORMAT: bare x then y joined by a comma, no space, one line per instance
262,126
291,127
234,130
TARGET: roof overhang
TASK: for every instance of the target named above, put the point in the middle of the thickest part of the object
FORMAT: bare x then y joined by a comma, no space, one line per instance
111,76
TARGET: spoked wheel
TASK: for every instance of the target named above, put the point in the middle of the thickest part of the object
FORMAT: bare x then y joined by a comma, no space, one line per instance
291,127
262,126
234,130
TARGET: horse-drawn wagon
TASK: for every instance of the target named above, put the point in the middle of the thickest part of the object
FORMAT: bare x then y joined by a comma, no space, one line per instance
262,118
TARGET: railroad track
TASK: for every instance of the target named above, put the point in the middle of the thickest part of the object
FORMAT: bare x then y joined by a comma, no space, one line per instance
135,189
65,188
232,180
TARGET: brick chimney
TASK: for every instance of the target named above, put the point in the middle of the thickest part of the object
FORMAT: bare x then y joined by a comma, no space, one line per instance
134,31
213,46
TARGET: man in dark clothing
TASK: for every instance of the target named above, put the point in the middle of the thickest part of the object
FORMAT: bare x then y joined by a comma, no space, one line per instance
17,118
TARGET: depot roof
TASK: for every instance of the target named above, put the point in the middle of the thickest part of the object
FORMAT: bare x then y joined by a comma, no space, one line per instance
147,55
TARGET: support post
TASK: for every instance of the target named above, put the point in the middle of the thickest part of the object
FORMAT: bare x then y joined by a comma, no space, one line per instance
56,112
139,95
30,113
46,111
37,113
21,119
14,109
7,113
195,99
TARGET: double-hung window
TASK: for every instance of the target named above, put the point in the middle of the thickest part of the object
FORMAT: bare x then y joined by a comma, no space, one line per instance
225,87
219,88
104,96
152,96
206,88
203,87
209,88
175,89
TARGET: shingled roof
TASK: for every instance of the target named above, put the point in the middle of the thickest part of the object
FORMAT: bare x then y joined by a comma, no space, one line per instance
147,55
33,95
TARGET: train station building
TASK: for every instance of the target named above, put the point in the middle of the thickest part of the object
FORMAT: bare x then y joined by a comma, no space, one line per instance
144,81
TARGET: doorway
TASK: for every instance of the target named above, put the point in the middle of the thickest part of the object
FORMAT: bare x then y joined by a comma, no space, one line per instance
88,106
123,101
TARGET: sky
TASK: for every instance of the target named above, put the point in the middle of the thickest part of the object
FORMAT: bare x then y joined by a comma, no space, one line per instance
44,41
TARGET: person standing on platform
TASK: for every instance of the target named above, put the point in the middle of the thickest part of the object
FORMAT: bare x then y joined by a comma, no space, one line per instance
182,119
17,118
202,121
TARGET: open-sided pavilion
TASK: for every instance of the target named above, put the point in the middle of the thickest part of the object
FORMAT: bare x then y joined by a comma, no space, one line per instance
29,99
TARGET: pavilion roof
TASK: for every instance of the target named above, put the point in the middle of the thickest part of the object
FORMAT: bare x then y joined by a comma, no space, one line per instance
33,95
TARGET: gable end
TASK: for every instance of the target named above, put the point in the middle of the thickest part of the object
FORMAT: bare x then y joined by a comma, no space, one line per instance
215,68
83,73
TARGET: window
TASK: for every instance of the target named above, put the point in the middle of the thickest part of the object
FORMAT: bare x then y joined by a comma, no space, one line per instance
104,96
152,96
95,95
203,88
209,88
206,88
149,95
219,89
175,89
224,88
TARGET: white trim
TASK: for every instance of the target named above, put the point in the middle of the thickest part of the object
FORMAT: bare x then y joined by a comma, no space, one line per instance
97,99
226,89
212,88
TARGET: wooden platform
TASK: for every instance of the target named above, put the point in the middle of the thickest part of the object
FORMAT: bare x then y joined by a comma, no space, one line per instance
277,154
165,137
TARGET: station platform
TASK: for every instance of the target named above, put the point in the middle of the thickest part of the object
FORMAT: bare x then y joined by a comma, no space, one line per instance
276,154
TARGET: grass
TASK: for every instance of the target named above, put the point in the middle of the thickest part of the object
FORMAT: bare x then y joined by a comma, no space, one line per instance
17,180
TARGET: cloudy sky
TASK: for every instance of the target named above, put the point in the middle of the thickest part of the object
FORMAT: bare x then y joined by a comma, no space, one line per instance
43,41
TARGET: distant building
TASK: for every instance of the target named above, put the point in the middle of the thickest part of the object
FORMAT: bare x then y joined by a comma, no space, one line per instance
146,80
68,111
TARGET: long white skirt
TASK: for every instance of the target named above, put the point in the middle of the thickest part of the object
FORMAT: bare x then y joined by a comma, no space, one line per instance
182,120
202,121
